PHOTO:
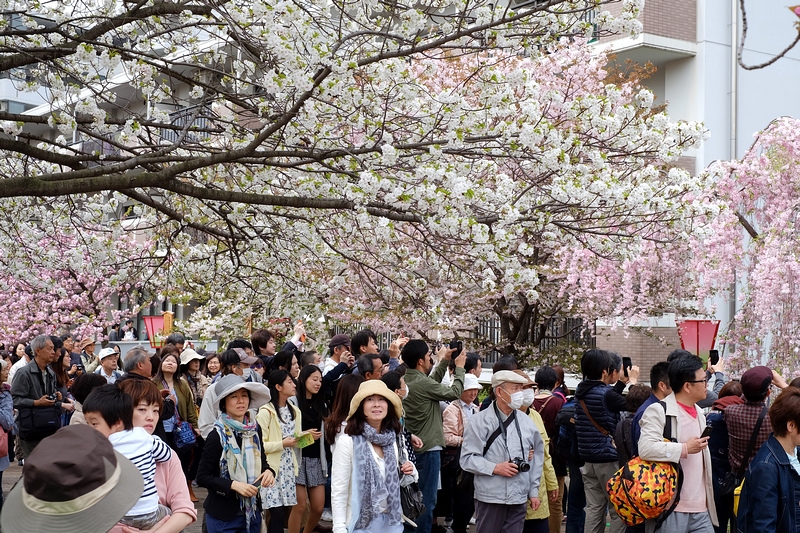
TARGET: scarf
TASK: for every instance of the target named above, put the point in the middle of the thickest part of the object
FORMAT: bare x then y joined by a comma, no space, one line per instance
240,464
369,488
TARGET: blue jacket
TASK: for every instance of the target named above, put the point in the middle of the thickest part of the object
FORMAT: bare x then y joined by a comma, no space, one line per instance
604,404
771,492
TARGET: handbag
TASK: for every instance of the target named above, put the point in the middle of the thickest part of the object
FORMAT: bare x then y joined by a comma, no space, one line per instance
734,478
411,498
183,435
36,423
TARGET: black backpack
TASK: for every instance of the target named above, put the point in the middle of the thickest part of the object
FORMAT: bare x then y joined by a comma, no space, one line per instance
563,441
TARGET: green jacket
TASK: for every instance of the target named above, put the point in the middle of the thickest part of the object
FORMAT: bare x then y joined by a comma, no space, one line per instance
423,416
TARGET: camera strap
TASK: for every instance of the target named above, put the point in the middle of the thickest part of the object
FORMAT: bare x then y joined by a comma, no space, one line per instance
504,426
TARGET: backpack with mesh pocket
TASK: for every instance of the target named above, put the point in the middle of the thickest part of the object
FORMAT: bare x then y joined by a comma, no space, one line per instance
643,490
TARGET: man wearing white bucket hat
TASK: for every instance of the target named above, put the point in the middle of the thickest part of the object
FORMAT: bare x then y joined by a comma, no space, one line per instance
505,452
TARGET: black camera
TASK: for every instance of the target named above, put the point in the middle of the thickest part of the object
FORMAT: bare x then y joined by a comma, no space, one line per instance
521,464
52,397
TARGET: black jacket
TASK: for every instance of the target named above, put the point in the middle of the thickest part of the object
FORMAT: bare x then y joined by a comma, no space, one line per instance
222,502
604,404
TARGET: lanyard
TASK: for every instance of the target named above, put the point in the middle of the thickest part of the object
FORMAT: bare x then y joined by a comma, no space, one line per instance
503,429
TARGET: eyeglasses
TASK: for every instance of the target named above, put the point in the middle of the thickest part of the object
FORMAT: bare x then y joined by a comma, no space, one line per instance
704,380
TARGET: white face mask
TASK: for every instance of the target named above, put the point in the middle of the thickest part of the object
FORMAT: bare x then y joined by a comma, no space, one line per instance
528,396
515,399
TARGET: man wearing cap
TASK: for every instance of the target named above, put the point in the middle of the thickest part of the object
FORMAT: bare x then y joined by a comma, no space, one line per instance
505,451
245,360
36,397
108,365
741,418
339,354
86,357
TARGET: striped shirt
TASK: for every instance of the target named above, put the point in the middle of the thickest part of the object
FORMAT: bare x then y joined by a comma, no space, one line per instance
144,450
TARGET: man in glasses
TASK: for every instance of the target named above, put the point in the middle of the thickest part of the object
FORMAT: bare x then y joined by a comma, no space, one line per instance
695,512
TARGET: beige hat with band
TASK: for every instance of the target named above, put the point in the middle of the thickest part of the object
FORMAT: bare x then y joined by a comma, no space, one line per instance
371,388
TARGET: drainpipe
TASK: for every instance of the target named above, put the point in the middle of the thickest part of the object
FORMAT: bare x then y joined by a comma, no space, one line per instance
733,128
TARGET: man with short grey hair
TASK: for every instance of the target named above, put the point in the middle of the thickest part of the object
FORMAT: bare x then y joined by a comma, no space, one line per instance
137,366
36,397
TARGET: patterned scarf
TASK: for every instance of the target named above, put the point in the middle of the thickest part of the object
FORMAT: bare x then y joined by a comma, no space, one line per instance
240,464
369,488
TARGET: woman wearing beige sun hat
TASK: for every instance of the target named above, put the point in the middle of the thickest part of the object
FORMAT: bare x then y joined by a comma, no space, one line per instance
365,494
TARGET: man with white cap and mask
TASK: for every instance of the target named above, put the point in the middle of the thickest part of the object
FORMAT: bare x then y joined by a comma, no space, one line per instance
505,452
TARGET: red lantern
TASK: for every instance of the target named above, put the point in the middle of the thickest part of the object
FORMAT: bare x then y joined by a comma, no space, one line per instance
155,330
698,336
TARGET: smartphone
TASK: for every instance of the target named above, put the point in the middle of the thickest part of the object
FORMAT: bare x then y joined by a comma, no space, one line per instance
626,364
713,356
706,432
458,346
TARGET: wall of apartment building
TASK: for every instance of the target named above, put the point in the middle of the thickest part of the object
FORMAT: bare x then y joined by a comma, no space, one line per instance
644,349
676,19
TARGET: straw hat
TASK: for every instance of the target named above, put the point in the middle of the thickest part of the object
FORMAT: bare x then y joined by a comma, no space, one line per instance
76,492
371,388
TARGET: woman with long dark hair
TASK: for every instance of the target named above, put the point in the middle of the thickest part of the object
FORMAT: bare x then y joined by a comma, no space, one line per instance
365,484
314,465
280,421
335,423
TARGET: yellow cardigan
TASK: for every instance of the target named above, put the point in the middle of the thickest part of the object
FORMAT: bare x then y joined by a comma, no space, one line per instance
267,419
549,482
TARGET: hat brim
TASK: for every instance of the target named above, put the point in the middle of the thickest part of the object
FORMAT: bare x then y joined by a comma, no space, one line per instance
192,358
17,518
361,395
259,393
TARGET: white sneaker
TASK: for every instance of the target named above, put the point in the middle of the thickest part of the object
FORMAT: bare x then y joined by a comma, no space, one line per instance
327,516
448,522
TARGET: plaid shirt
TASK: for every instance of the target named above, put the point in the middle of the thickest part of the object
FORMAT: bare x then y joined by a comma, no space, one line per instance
741,421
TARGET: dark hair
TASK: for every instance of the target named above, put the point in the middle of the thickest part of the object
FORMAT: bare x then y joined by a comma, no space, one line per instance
86,383
227,360
307,358
785,409
142,390
366,363
392,379
734,388
361,339
345,391
57,343
62,378
175,338
112,404
637,395
224,398
64,337
794,383
115,325
659,374
14,356
260,338
472,362
413,351
560,373
160,374
401,369
674,354
278,377
239,343
355,426
317,401
683,369
507,362
209,356
384,356
169,349
283,360
594,362
615,362
546,378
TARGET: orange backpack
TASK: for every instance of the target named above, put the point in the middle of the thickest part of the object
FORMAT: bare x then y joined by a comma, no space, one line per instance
643,490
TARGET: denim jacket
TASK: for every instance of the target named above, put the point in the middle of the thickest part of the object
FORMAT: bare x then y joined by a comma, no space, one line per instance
769,498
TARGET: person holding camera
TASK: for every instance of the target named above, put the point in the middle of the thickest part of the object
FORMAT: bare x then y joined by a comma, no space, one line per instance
505,452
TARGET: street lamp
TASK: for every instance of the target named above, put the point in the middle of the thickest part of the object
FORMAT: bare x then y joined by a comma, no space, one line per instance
698,336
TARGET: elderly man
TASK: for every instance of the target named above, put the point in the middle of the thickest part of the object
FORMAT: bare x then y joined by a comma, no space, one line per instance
137,366
505,451
36,397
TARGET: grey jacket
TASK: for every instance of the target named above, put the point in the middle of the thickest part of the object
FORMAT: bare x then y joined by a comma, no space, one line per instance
28,386
490,488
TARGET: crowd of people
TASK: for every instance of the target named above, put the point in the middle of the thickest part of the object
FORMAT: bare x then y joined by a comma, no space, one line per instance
397,440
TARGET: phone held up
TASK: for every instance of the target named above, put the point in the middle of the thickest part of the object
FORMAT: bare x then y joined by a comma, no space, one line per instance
458,346
626,364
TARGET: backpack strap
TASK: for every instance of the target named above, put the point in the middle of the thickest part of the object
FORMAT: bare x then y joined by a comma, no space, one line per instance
601,429
540,409
677,466
497,433
752,444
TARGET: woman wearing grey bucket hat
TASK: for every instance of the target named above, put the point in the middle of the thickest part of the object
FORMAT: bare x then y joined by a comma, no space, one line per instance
234,465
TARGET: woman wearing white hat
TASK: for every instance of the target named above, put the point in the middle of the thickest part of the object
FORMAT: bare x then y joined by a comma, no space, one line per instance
234,465
365,484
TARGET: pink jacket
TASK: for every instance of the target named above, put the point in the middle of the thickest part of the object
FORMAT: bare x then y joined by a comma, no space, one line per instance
453,422
172,489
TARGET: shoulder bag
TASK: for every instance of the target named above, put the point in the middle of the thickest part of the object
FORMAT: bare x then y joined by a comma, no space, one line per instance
411,498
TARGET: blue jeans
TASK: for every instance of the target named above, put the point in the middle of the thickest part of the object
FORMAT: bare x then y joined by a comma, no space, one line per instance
237,525
428,465
576,500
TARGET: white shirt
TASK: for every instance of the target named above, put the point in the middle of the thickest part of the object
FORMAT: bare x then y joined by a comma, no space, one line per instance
467,409
16,366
